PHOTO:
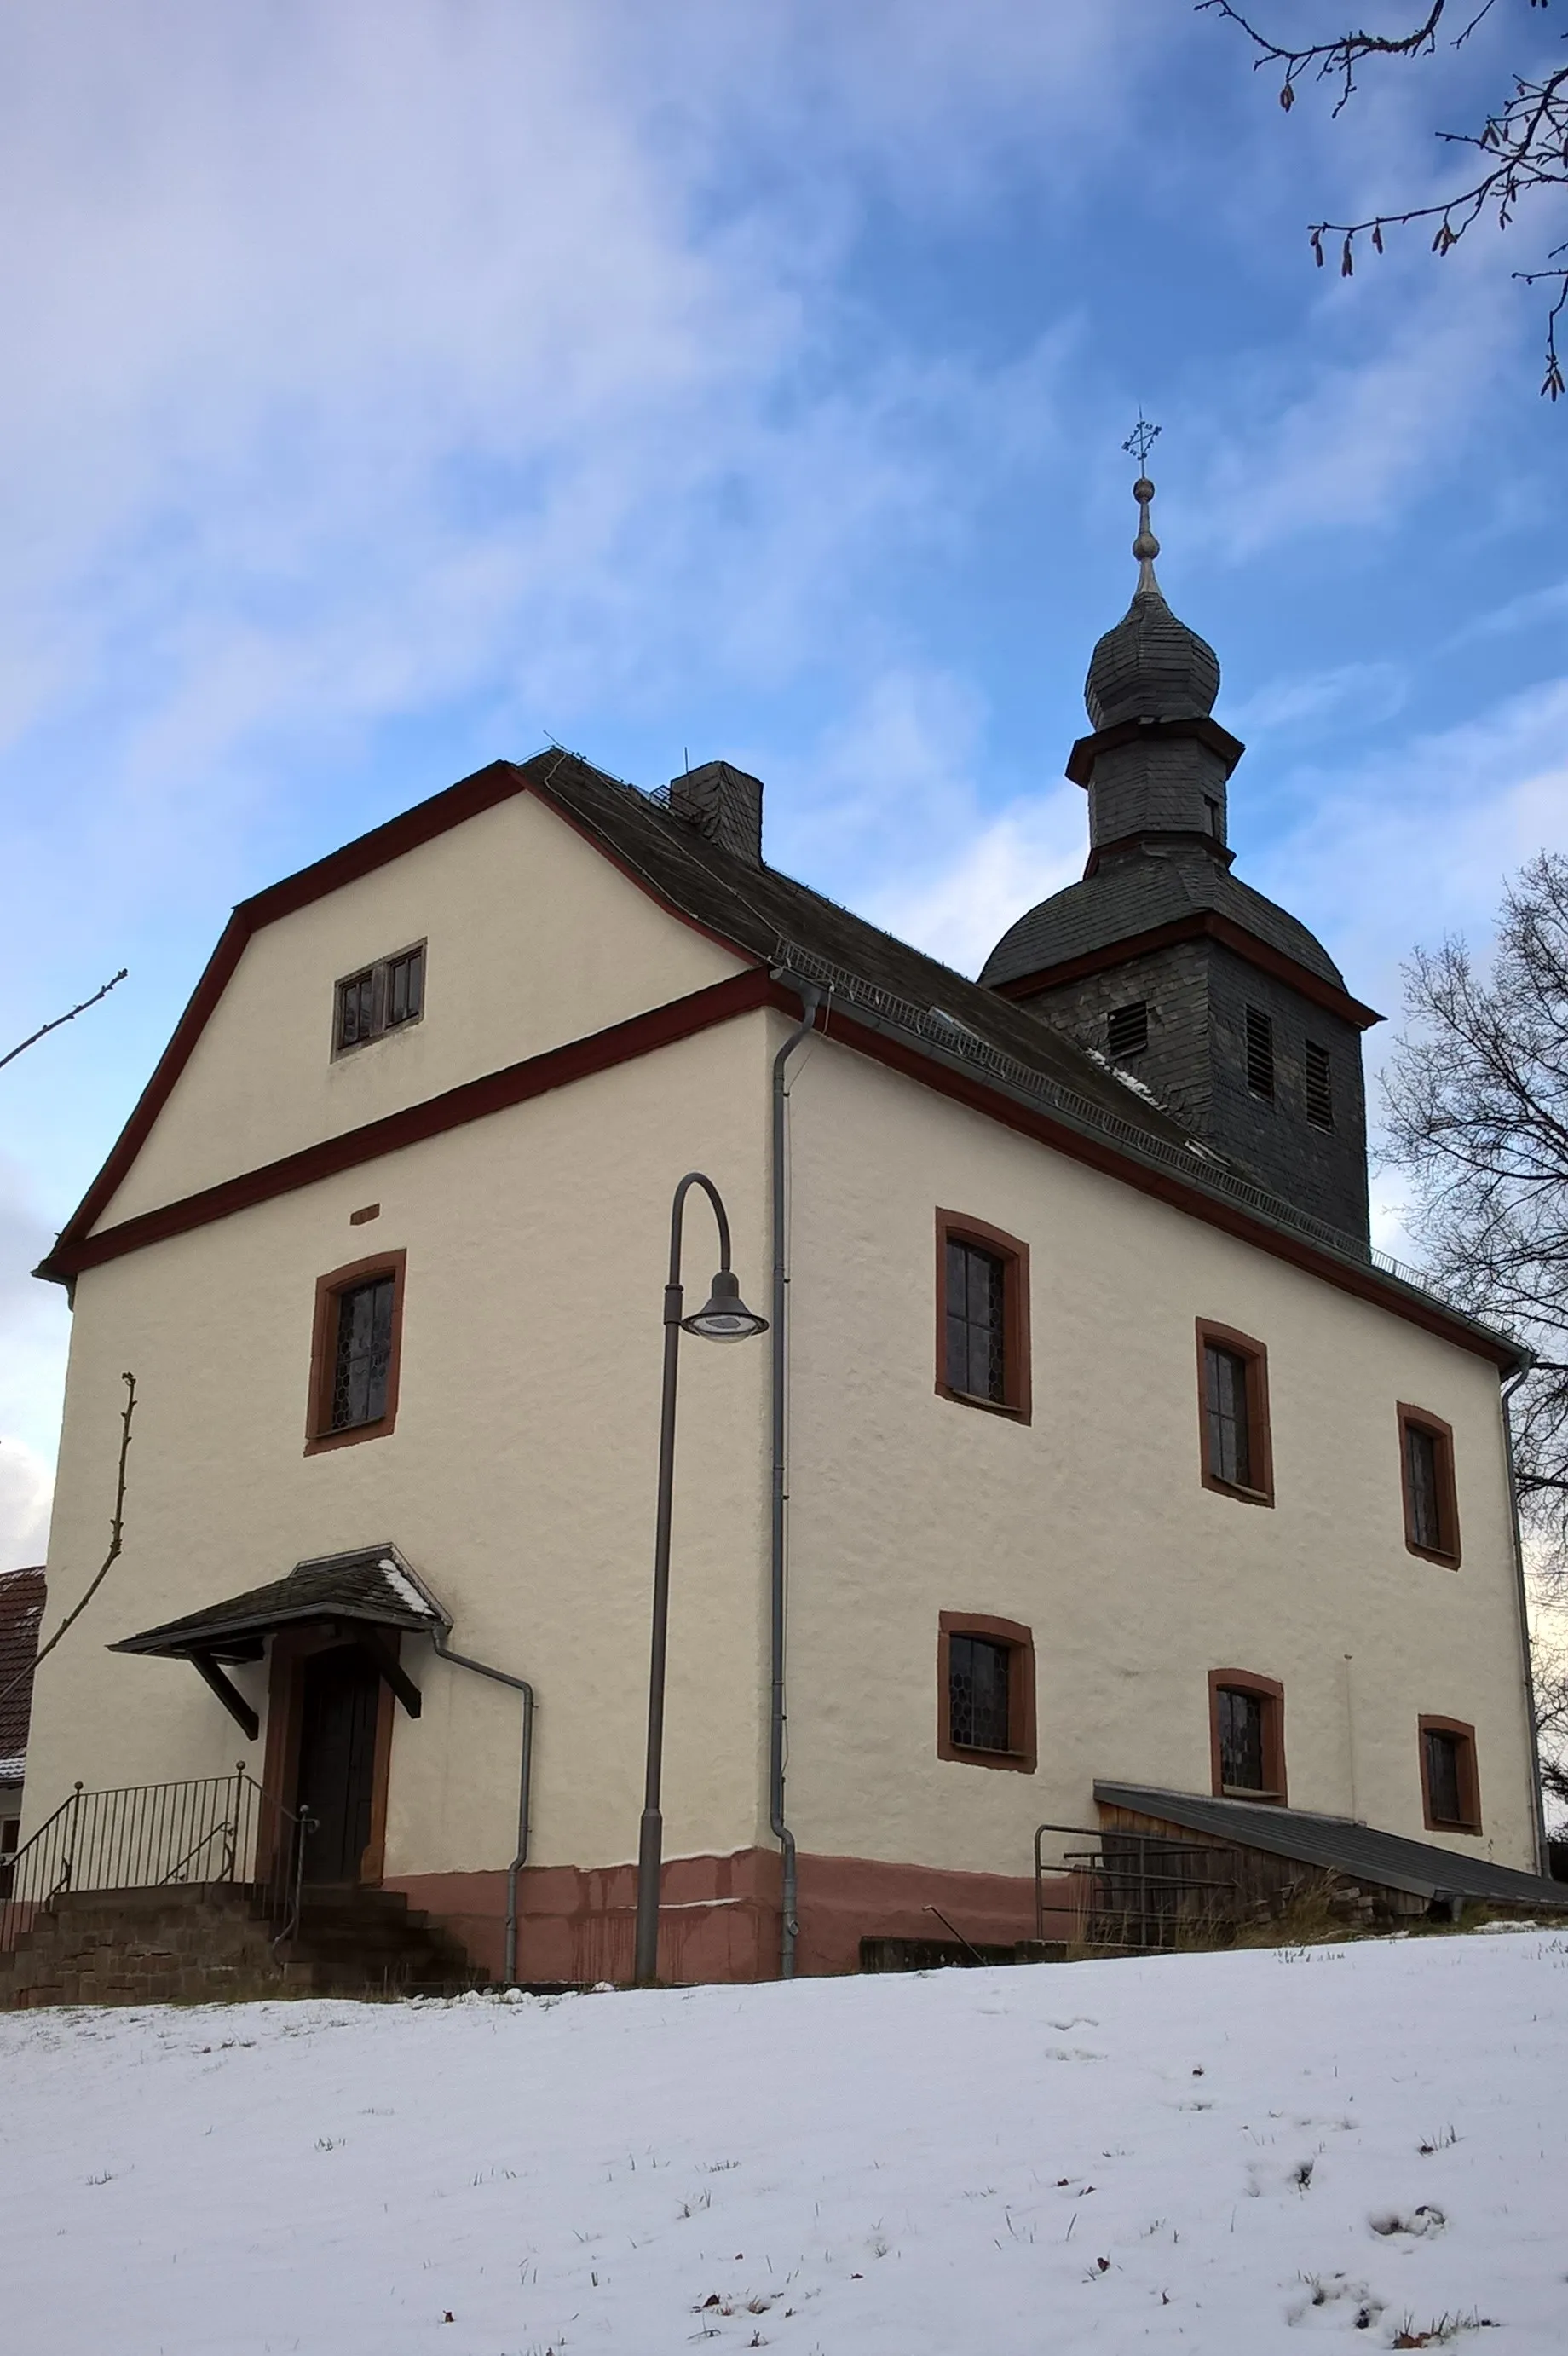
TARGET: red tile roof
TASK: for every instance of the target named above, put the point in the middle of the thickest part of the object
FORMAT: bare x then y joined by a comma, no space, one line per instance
21,1613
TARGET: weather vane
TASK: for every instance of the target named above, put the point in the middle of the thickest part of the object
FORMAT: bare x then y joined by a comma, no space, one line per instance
1141,440
1146,548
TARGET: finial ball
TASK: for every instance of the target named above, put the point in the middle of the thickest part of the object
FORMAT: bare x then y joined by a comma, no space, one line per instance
1143,489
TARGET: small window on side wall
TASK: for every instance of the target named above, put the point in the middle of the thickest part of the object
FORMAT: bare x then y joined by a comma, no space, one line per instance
982,1316
1427,1468
1319,1074
1260,1053
1450,1786
985,1691
1127,1029
356,1352
1246,1735
1232,1398
383,997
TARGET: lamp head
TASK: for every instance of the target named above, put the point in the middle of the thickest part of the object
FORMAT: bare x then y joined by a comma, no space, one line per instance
725,1317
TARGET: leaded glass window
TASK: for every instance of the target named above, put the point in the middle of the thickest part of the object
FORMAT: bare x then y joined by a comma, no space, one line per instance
979,1675
357,1009
977,1322
1421,1458
1228,1414
383,997
363,1354
1240,1740
405,987
1445,1799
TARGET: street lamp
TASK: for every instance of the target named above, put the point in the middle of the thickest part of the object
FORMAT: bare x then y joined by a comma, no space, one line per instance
724,1317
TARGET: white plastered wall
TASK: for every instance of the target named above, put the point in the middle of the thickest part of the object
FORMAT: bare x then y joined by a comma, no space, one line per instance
1091,1524
534,939
520,1478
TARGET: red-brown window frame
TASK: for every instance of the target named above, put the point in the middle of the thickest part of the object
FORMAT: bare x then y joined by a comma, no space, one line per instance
1469,1775
1021,1754
1423,1419
1271,1693
954,1226
1254,1353
329,1289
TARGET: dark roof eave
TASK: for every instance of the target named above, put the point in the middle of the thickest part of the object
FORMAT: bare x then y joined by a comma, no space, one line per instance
1087,750
1390,1861
179,1638
1203,923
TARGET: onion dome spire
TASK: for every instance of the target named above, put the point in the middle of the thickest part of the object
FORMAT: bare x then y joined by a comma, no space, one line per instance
1151,666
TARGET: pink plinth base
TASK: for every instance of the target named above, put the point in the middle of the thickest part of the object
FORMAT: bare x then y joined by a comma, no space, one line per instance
720,1917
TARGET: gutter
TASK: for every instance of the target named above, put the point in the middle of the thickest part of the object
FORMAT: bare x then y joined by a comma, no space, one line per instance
1538,1798
810,999
518,1685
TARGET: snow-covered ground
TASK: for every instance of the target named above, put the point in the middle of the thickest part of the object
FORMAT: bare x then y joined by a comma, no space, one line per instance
1209,2152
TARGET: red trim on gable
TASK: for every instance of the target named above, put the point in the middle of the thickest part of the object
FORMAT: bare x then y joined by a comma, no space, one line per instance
1204,923
1367,1284
682,1018
498,782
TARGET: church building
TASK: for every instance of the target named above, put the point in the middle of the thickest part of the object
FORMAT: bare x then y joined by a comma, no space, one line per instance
1094,1479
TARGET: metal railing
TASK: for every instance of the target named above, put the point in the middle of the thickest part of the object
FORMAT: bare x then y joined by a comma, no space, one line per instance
219,1831
1138,1891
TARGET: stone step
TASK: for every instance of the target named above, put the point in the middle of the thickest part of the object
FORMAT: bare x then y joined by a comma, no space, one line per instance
141,1945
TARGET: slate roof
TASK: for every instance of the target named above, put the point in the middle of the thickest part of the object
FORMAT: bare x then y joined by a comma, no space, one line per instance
1133,893
1150,667
21,1615
371,1584
1335,1843
758,908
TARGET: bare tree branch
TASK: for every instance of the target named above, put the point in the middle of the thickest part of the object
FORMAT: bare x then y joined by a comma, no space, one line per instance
44,1029
1524,143
1476,1098
116,1540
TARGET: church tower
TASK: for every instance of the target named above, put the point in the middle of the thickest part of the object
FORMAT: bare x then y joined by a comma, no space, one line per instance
1162,960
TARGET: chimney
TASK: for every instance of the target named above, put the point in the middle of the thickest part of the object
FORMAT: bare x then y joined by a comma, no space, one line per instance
724,805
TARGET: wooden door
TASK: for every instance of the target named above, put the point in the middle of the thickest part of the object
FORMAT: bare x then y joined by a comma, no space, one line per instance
335,1786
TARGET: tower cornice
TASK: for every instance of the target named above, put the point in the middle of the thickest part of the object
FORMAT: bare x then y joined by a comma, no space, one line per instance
1088,749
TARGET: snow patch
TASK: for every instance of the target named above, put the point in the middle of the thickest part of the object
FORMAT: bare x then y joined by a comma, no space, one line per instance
885,2166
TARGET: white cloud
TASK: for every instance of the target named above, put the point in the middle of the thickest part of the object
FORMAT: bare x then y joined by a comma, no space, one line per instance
1359,442
888,803
26,1486
1307,701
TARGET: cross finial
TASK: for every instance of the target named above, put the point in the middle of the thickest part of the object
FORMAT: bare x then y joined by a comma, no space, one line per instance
1141,440
1146,548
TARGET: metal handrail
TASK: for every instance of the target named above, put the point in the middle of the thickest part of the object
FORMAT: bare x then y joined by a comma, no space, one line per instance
1143,1891
211,1831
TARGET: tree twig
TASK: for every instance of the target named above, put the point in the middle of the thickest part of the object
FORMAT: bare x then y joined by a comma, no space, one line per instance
45,1028
116,1540
1524,141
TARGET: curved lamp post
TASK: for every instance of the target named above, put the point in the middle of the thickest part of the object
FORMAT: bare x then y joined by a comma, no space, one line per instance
724,1318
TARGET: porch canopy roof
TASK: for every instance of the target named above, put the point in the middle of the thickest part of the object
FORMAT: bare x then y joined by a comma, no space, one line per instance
363,1592
1338,1845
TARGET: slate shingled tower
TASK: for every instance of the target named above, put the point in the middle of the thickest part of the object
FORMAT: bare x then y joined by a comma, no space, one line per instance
1162,960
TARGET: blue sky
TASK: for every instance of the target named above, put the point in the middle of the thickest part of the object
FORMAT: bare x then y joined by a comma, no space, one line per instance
392,386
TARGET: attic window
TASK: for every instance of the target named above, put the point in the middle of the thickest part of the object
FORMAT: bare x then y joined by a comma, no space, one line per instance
1260,1053
1319,1086
383,997
1127,1029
